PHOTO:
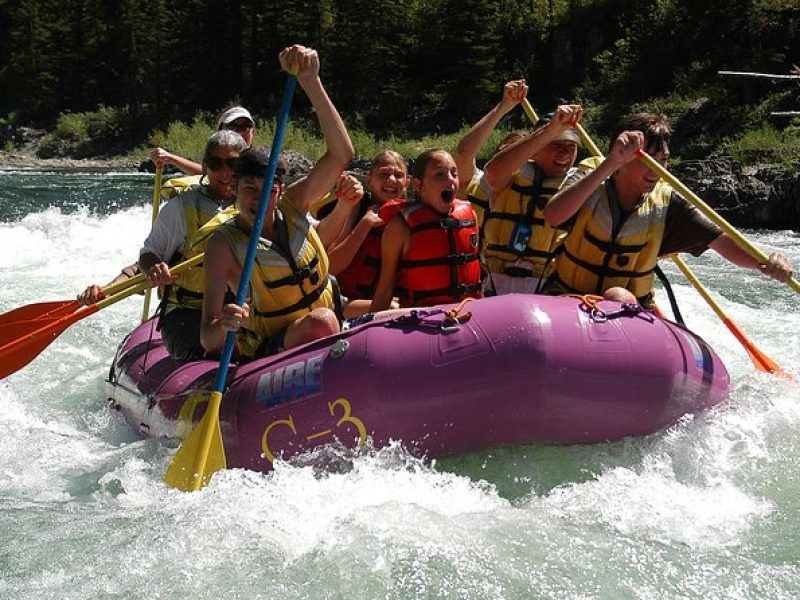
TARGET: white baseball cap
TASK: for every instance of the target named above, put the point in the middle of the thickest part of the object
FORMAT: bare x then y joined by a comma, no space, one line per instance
230,115
569,135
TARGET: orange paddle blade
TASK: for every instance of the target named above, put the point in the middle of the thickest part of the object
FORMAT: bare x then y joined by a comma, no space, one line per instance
32,338
761,361
40,310
35,335
10,332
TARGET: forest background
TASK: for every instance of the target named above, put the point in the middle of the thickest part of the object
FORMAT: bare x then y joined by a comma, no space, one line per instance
114,77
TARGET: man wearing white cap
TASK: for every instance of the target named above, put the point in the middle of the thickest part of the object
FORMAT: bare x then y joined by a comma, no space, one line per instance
235,118
240,120
517,244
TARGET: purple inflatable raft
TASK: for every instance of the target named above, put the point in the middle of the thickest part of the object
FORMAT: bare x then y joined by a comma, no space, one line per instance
520,369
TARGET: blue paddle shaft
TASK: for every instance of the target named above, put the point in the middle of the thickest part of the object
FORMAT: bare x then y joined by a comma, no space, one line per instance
263,202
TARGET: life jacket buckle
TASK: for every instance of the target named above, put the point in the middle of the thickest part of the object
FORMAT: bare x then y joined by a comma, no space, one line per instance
460,258
306,273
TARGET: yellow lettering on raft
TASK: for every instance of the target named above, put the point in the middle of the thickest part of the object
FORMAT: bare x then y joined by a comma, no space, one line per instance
346,418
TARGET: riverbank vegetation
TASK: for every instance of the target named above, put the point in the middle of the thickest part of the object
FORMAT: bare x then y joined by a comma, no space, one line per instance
116,78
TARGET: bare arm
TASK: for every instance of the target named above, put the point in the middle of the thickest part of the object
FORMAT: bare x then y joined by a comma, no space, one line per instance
340,149
343,253
333,228
394,244
220,269
501,167
473,141
569,200
93,293
189,167
777,268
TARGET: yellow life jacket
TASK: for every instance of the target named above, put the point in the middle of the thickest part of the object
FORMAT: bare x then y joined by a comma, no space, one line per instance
187,291
515,229
290,276
175,185
598,255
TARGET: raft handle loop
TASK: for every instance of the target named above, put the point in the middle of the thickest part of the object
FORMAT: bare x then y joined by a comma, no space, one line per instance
339,348
453,317
589,304
627,309
412,318
598,316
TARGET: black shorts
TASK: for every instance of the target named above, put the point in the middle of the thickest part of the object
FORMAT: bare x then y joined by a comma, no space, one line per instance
180,330
271,345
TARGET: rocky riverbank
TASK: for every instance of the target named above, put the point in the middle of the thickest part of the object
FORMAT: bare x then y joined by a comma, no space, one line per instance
765,196
25,155
761,196
20,161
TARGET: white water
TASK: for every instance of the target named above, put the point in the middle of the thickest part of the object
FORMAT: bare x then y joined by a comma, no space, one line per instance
707,509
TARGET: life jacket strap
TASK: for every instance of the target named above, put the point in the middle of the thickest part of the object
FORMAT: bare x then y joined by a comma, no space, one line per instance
461,258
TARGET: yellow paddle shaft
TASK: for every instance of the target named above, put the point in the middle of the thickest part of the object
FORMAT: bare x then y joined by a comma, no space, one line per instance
137,284
761,361
137,279
701,289
156,202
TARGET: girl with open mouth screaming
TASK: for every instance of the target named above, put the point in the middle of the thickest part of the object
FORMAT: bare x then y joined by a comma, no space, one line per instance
430,245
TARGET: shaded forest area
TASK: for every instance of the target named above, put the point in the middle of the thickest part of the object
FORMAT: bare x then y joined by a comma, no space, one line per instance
401,67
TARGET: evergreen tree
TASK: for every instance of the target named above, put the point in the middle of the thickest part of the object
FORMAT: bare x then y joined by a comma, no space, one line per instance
458,51
402,66
30,74
369,65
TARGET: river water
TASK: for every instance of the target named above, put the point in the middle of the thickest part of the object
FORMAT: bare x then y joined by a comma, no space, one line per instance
706,509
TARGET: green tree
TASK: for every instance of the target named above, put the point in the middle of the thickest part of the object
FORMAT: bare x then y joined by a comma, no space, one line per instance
370,76
455,63
29,76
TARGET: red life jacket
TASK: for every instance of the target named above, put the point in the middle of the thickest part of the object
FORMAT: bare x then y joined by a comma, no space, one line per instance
442,264
359,279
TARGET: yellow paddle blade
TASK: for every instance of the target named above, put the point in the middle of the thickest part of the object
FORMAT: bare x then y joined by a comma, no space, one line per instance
202,453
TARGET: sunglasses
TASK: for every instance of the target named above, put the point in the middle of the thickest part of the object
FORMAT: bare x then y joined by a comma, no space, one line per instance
238,127
215,163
